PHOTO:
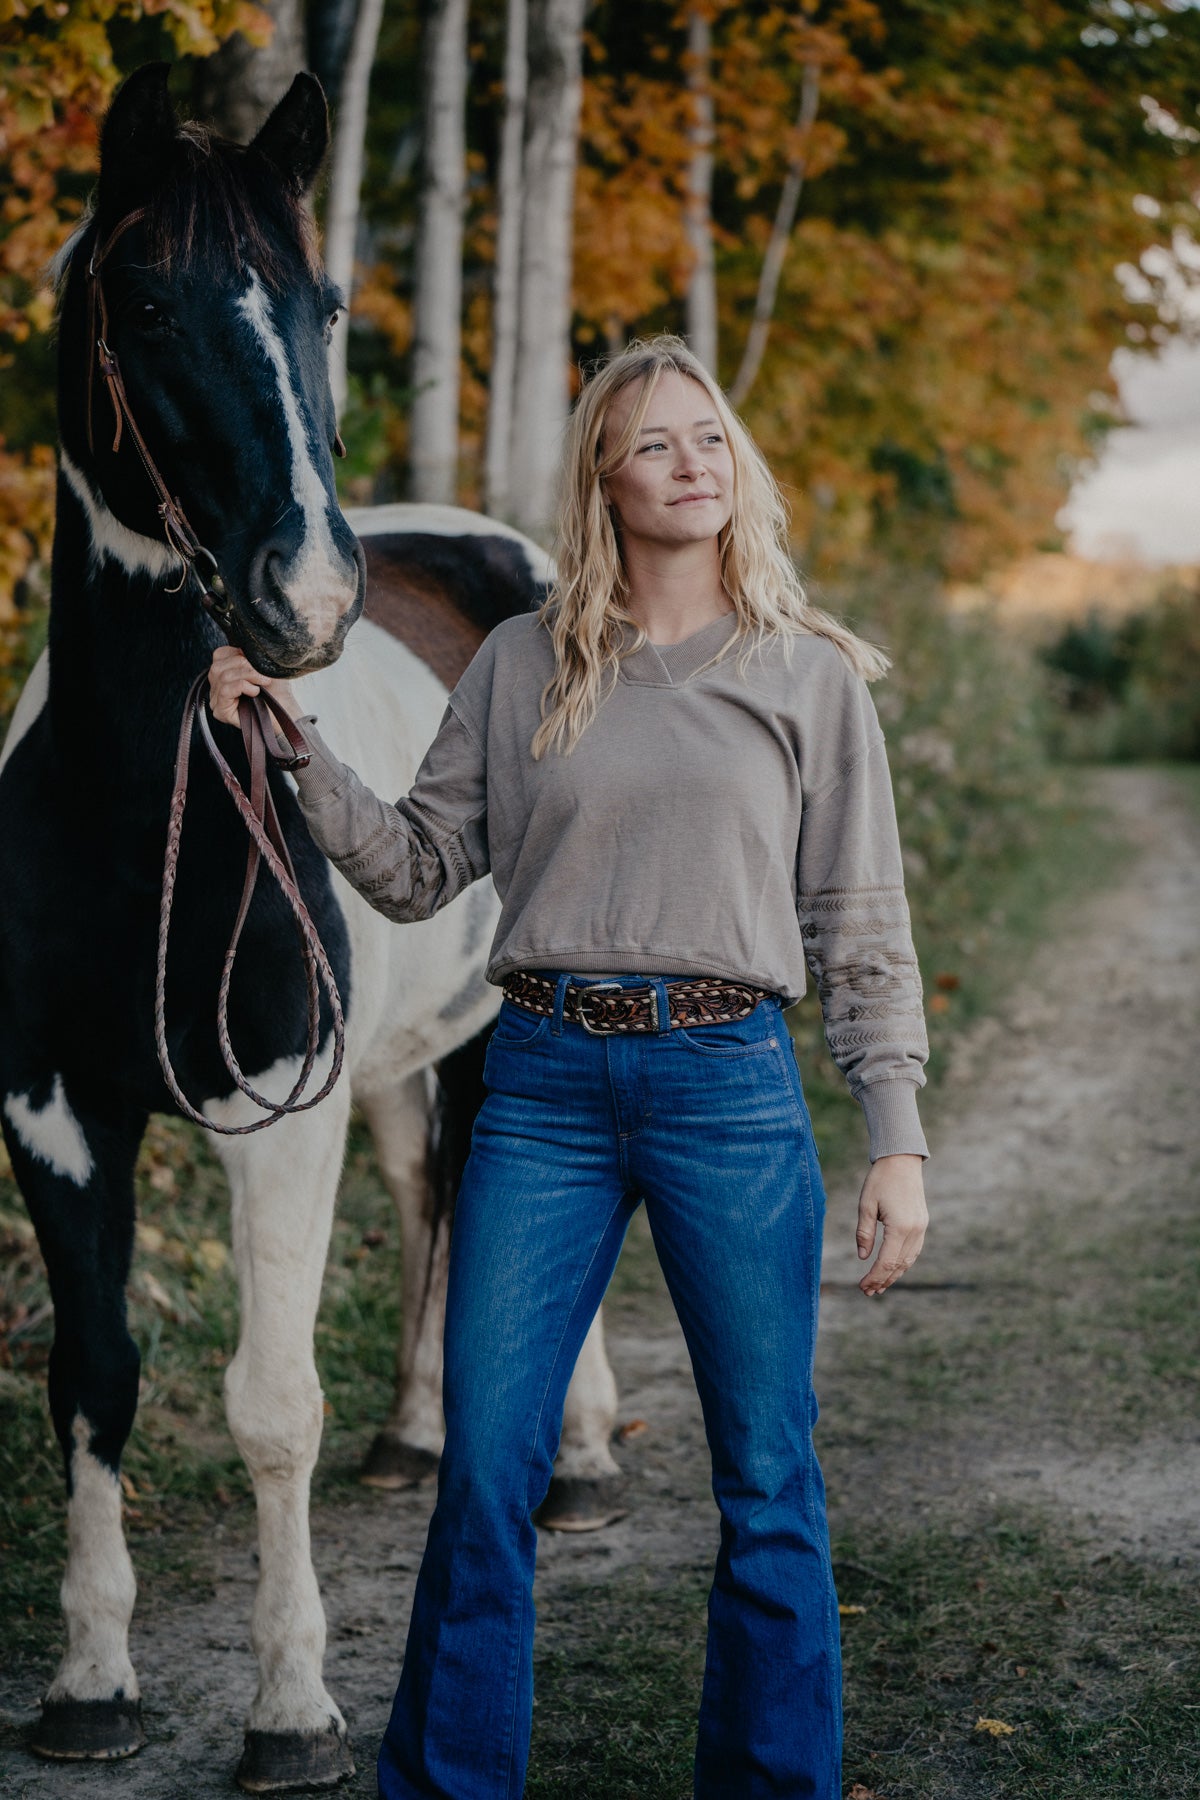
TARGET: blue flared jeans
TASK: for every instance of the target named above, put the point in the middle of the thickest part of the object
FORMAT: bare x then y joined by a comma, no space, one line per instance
709,1129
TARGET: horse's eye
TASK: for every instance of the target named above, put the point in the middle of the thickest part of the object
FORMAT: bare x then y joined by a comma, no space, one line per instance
330,322
150,318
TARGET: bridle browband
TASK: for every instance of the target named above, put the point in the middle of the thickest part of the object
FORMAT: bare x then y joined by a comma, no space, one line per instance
260,718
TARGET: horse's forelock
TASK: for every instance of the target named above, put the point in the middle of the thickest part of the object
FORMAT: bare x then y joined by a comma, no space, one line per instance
224,209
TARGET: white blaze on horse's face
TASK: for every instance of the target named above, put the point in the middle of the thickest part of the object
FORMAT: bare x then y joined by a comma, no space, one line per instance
320,583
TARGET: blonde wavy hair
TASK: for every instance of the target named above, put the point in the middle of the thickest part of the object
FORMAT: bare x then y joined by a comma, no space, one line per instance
586,610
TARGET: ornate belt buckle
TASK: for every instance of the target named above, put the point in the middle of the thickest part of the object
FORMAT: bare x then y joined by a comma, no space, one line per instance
599,987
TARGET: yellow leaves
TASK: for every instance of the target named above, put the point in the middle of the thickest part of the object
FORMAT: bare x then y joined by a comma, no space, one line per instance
211,1254
851,1612
995,1728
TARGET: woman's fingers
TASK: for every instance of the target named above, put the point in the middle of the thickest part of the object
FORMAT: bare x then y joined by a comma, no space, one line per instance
893,1195
868,1218
897,1253
230,676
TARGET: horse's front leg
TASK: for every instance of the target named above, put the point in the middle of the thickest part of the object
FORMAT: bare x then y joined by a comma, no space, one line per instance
283,1182
74,1165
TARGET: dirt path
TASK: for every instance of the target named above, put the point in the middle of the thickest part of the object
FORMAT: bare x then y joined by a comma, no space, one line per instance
1071,1092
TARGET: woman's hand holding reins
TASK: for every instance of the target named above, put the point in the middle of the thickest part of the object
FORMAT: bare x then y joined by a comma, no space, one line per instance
232,675
893,1195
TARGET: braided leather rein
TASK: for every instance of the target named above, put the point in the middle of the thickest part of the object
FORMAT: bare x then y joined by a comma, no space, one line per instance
258,719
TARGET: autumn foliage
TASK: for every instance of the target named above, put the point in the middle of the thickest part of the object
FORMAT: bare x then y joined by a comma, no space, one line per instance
937,358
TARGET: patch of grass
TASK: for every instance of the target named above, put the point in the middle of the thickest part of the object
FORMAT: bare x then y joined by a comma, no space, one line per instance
617,1683
1091,1661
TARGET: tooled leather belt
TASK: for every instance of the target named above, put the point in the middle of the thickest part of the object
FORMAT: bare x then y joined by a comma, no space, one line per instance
606,1006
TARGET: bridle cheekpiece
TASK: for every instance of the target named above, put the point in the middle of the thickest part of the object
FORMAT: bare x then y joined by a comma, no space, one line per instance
181,539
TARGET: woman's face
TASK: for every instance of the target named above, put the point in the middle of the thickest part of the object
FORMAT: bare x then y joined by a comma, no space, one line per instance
677,486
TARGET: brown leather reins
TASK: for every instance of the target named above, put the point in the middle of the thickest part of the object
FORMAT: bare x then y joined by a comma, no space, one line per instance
258,718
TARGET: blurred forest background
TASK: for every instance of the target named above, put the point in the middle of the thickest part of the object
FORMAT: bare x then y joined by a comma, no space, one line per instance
909,238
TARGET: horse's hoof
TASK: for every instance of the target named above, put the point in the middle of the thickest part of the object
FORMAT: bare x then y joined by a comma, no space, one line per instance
582,1503
88,1730
392,1464
282,1762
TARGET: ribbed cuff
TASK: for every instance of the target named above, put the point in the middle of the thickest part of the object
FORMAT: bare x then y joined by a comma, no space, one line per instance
324,774
893,1123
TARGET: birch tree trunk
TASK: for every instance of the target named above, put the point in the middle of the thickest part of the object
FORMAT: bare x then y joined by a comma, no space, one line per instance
345,179
701,299
506,285
542,391
437,286
236,89
781,231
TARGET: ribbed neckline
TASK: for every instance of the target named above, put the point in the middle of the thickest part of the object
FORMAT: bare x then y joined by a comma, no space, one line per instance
670,665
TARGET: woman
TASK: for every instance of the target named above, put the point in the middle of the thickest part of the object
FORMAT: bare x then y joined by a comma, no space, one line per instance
675,775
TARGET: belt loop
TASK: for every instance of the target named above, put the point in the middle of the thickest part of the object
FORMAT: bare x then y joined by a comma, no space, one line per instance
560,995
663,1005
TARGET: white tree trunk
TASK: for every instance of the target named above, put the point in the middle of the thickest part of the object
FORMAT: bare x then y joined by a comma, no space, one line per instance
542,392
701,300
236,89
781,231
507,279
437,288
345,179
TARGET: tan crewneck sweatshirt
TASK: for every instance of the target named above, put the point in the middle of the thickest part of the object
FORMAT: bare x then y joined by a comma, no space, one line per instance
710,821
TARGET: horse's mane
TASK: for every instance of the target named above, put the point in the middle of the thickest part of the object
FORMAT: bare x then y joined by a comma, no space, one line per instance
222,207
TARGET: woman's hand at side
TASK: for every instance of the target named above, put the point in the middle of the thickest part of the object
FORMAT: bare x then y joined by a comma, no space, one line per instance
232,675
893,1195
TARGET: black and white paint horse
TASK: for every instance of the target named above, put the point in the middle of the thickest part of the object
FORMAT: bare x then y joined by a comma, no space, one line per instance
219,315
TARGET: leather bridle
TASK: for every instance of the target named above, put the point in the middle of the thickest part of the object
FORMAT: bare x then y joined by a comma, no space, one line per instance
260,719
181,538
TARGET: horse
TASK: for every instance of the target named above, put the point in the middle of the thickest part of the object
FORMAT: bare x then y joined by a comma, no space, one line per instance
215,316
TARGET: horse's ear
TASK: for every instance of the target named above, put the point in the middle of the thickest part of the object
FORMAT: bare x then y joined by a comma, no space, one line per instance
135,142
295,137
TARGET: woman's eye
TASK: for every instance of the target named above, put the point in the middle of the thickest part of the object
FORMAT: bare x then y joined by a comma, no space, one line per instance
646,447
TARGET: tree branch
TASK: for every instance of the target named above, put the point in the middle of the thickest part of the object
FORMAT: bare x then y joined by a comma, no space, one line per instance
781,231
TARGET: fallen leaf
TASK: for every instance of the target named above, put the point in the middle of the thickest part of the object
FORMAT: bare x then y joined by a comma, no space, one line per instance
127,1488
859,1792
938,1003
1021,1671
157,1294
634,1429
994,1727
851,1612
212,1254
150,1239
947,982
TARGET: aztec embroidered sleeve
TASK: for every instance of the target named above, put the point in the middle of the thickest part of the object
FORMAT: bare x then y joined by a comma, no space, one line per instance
409,859
858,946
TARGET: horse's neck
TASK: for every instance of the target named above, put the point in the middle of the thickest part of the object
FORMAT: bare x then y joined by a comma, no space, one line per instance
123,653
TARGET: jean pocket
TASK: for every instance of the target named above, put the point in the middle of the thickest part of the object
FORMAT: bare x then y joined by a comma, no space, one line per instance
759,1031
515,1028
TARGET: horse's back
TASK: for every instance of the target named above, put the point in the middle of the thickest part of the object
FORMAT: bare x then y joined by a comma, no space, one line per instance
439,578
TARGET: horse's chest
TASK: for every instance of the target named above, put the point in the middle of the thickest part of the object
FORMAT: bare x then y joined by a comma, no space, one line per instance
80,893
